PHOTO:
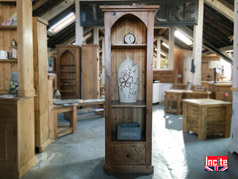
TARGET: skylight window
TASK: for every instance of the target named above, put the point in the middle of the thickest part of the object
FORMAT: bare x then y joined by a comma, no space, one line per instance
165,45
181,36
162,54
64,22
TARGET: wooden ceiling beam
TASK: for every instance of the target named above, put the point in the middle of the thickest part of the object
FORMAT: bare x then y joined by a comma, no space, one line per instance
223,49
221,8
57,9
209,47
38,4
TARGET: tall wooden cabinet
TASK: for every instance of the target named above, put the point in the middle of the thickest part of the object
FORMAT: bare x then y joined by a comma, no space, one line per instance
42,136
129,156
7,33
17,136
68,71
90,71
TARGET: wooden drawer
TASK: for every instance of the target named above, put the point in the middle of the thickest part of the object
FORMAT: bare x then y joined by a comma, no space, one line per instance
128,154
172,97
6,110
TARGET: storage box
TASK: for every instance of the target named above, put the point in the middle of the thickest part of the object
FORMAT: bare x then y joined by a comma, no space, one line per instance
128,131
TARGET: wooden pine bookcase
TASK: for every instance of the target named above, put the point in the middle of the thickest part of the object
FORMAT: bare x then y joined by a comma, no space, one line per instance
68,71
128,156
17,141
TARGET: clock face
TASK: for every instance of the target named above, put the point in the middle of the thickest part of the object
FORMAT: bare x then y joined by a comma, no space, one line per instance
129,38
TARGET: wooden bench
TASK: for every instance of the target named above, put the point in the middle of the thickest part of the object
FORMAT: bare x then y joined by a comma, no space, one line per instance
69,108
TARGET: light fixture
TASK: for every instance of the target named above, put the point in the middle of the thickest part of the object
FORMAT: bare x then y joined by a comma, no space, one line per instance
64,22
181,36
165,45
162,54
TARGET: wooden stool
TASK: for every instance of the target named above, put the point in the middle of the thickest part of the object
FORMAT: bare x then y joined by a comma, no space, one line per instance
64,130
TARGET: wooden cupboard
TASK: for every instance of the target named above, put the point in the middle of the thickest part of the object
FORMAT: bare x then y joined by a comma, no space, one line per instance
42,136
17,136
219,89
90,71
7,34
128,156
17,151
68,71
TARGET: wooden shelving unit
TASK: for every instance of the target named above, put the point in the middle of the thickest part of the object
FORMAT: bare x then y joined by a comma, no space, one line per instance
128,46
68,71
17,125
8,27
128,156
9,61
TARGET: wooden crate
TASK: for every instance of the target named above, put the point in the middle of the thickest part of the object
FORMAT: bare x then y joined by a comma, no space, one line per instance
207,117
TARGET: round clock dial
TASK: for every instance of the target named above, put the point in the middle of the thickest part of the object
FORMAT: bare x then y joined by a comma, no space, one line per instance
129,38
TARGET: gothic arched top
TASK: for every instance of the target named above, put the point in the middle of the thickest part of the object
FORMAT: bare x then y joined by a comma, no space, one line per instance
118,15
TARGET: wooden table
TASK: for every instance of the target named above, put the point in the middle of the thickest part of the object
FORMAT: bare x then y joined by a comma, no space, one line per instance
176,96
63,130
70,111
207,117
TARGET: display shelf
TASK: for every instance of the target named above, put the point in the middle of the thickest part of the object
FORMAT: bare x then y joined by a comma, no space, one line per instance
8,1
67,72
9,60
8,27
118,104
126,46
121,142
128,156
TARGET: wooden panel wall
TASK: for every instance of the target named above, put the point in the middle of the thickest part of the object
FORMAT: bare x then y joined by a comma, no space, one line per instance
119,30
178,66
6,36
90,72
164,76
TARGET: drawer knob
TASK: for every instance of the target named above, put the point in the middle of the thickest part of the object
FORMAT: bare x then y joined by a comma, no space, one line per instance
128,156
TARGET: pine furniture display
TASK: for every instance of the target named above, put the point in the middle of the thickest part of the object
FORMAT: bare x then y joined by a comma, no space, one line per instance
175,97
128,156
207,117
42,133
90,71
219,89
68,71
17,135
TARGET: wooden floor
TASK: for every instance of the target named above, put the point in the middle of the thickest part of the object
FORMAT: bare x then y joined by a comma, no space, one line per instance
175,154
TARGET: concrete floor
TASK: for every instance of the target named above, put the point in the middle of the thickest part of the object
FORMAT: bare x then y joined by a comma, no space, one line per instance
175,154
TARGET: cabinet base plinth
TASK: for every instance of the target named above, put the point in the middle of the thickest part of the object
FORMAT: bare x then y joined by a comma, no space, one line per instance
128,169
18,173
40,149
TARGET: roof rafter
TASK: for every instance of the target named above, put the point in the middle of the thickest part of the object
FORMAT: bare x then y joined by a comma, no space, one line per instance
221,8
